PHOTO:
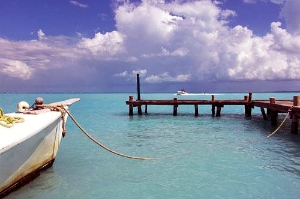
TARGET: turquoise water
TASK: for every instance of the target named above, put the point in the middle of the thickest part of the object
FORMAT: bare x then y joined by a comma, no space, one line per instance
202,157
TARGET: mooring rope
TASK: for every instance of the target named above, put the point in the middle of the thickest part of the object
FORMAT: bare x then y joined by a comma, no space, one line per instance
283,121
105,147
63,110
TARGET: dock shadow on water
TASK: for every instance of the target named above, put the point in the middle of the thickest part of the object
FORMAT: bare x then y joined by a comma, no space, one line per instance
226,157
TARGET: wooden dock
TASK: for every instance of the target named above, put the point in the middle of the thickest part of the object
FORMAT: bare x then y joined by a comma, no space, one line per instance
272,106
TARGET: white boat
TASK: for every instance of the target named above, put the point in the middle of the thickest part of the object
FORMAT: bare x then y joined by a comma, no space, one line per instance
182,92
28,147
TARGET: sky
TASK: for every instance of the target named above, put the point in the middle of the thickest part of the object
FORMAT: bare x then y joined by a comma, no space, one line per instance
198,45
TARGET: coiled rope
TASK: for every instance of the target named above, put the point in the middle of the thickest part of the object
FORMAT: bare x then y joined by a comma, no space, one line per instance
283,121
9,121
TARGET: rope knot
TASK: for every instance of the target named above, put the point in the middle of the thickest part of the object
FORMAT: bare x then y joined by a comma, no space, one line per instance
57,108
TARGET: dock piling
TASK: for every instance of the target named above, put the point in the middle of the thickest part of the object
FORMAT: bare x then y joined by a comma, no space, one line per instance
175,107
213,107
219,107
295,118
272,106
196,110
140,112
294,125
272,100
296,101
263,113
274,114
247,106
130,105
250,97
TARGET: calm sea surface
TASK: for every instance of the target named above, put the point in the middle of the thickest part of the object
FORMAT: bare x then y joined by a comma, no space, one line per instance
205,157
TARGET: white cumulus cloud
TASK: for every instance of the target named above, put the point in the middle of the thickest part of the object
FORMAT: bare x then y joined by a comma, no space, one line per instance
110,43
16,69
164,41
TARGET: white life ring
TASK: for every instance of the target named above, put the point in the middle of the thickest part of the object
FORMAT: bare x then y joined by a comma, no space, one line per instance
23,106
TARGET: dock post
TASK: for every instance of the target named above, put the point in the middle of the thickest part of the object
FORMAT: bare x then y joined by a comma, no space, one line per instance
263,113
296,101
247,106
175,107
250,105
250,97
140,112
146,109
213,107
130,105
219,107
196,110
274,114
295,119
138,86
272,100
294,125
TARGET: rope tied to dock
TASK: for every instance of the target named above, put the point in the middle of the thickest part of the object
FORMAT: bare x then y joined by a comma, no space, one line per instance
283,121
105,147
9,121
64,111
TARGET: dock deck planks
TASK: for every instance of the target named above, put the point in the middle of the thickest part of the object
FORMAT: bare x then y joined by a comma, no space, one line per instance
273,107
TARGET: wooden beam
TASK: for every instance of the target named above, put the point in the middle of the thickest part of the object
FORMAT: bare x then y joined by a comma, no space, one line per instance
130,105
248,111
175,107
296,101
274,117
213,110
250,97
213,107
196,110
263,113
219,107
140,112
295,125
247,107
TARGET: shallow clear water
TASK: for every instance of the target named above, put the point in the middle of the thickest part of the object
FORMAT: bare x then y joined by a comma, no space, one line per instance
199,157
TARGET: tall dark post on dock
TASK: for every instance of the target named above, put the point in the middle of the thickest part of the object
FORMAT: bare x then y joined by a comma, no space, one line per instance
138,86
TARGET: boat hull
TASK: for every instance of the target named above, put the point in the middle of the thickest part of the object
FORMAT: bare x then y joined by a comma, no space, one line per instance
182,92
23,161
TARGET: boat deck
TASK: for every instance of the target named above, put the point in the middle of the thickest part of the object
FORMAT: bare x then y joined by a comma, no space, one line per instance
22,131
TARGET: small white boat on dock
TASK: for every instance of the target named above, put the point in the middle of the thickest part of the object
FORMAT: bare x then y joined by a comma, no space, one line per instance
30,146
